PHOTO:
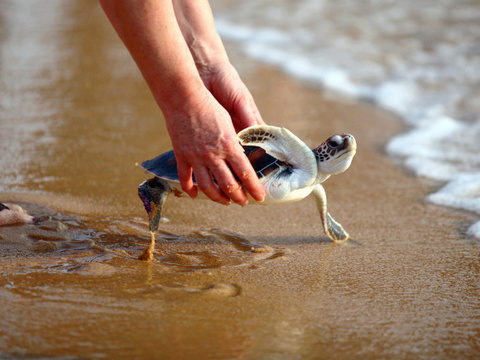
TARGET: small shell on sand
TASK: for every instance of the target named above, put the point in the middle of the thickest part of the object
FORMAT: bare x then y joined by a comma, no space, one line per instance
12,214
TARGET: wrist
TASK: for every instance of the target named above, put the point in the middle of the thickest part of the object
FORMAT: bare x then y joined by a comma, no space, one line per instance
176,92
183,104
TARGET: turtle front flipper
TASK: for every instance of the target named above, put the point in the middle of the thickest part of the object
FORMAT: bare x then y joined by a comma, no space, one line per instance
153,194
286,147
332,228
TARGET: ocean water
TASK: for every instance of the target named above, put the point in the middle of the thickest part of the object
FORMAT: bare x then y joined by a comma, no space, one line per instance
418,59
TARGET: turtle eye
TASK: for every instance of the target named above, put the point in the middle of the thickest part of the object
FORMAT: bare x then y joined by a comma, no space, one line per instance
335,141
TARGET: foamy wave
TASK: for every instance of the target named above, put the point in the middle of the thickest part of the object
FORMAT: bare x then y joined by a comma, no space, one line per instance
445,149
463,192
428,153
273,46
423,71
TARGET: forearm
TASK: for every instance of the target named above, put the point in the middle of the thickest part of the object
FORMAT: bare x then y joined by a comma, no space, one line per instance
150,31
196,22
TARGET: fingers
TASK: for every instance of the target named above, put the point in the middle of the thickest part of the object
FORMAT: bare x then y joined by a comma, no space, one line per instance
244,170
228,184
185,176
246,112
257,117
206,184
226,188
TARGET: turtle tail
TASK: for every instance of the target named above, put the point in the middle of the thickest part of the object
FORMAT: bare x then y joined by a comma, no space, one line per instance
153,194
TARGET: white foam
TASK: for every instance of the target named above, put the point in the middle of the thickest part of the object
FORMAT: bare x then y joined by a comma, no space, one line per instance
474,230
274,47
425,149
396,96
462,192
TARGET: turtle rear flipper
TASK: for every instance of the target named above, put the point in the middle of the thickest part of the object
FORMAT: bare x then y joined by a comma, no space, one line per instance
153,194
332,228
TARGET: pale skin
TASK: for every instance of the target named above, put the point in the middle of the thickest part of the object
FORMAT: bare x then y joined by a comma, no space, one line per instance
204,102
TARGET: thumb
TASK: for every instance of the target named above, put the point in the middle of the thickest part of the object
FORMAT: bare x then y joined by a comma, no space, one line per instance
246,113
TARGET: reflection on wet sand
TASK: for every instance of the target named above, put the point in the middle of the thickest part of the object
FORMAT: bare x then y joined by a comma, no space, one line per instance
255,282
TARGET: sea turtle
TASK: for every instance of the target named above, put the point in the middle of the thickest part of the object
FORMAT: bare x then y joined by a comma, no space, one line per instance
288,169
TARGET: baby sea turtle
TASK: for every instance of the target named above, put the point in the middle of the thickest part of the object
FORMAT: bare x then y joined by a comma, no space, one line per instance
288,169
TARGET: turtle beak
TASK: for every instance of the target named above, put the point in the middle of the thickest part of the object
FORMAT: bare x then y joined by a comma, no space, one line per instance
349,143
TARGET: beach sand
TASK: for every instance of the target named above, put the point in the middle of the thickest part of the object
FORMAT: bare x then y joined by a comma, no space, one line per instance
226,282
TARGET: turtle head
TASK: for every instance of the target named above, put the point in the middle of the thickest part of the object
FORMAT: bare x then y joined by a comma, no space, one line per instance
335,154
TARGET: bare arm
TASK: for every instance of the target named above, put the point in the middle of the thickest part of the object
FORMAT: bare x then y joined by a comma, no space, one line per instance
196,22
201,129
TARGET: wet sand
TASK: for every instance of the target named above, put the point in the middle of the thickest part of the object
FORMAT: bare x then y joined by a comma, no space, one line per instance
226,282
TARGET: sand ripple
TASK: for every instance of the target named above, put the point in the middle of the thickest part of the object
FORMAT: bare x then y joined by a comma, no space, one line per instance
65,251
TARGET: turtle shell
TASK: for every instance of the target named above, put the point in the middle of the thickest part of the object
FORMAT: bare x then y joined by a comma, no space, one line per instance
165,165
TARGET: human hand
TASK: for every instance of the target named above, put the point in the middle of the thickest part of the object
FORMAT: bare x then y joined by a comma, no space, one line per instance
205,142
223,81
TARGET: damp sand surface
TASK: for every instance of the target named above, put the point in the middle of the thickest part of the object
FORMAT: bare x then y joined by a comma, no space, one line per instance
225,282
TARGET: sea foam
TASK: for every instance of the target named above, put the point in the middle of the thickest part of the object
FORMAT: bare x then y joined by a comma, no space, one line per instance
417,67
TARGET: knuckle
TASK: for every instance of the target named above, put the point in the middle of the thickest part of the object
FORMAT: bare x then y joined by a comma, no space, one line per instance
238,162
245,173
217,169
233,147
184,152
233,187
208,156
226,145
230,187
